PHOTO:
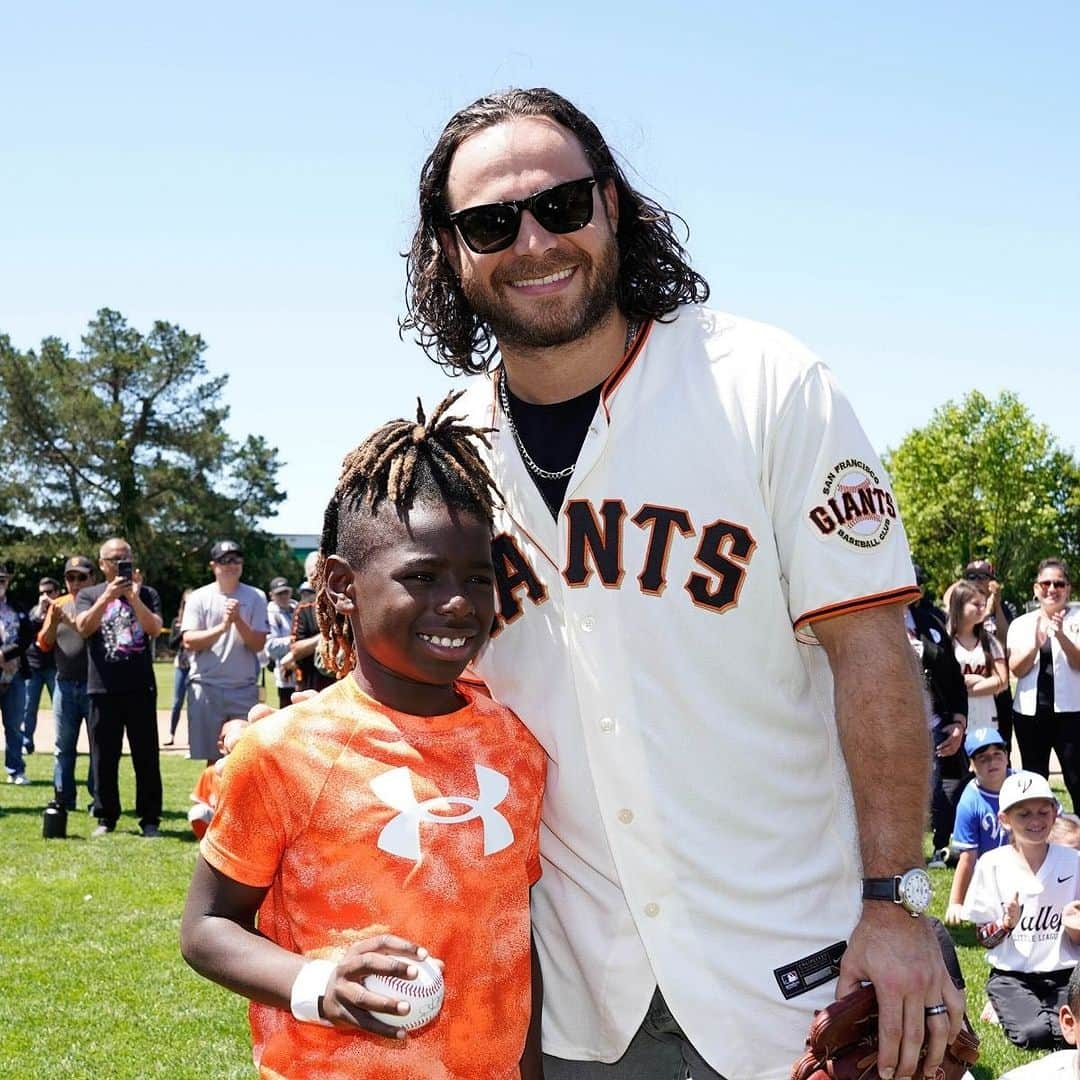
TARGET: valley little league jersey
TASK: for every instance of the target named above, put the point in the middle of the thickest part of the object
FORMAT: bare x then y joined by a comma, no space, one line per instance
361,820
656,639
1037,943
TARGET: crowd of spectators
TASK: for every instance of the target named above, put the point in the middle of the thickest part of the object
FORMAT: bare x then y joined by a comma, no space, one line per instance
1003,691
91,643
1016,874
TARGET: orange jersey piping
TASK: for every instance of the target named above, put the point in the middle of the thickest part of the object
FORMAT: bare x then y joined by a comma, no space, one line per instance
860,603
611,383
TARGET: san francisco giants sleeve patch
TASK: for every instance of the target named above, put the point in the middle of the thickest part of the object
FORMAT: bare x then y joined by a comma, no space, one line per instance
803,975
854,506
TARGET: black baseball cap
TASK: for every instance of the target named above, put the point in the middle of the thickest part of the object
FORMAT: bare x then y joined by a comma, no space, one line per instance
278,584
225,547
79,564
979,567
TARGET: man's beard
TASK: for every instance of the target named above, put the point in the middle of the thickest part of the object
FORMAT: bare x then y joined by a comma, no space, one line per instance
545,329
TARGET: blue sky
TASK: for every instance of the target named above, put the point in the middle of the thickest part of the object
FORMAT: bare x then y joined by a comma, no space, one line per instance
897,186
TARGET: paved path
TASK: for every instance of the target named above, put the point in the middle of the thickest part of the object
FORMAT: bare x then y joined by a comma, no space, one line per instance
46,734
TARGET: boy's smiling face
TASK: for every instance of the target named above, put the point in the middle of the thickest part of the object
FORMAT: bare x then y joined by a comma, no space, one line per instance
421,605
1030,820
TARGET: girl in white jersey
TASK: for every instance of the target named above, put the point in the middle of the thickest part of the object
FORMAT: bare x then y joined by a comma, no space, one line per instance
980,656
1025,902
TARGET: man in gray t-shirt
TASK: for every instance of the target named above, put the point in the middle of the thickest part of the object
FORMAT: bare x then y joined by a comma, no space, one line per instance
224,628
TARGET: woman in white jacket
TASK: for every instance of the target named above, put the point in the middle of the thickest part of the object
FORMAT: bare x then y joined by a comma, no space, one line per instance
1044,655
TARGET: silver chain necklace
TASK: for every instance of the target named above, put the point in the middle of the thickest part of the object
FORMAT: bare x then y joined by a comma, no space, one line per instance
504,401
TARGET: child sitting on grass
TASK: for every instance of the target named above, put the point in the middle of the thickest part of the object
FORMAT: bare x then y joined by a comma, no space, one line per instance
1063,1064
396,814
1023,901
977,829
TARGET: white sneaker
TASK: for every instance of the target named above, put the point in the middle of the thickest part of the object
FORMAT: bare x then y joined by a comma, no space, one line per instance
19,779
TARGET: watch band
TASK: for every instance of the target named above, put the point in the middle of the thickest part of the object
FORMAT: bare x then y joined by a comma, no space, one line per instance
882,888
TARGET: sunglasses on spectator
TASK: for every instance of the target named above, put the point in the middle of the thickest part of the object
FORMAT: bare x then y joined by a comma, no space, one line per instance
49,590
1057,583
229,560
492,227
980,575
75,575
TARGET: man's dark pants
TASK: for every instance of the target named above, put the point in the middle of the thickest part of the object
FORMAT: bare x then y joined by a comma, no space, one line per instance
111,715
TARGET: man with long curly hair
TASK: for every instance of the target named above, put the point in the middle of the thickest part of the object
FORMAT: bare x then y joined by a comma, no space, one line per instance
697,555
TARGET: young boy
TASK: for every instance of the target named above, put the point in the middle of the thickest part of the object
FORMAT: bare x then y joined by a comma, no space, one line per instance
1024,902
977,829
395,815
1062,1064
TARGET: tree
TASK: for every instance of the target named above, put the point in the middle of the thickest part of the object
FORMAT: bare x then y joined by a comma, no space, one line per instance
983,480
127,438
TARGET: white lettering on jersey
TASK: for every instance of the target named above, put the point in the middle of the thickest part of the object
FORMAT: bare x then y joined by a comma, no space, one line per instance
401,835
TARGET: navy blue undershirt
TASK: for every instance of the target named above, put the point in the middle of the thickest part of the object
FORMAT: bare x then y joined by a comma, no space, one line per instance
553,435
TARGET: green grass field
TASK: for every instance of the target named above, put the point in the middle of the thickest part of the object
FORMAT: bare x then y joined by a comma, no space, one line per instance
93,983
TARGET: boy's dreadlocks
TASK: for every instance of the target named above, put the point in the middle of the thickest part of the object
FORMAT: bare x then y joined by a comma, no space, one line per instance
402,463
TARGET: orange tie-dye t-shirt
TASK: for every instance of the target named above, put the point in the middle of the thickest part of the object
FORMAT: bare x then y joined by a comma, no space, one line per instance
358,819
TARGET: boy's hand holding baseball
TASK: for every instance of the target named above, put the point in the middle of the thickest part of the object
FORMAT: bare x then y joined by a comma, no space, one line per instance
349,1003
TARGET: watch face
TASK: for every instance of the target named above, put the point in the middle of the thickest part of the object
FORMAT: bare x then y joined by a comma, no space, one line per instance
915,891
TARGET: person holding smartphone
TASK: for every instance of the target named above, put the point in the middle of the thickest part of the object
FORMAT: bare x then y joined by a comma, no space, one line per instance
119,619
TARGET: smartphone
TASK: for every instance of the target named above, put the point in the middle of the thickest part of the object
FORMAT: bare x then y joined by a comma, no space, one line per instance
124,569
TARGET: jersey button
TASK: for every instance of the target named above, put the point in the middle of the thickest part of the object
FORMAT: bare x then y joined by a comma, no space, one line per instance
652,910
607,725
588,623
626,816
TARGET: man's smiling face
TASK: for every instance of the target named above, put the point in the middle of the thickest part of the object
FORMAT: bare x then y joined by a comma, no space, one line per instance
545,289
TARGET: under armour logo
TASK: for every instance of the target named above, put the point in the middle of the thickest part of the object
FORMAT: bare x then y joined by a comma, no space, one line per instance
401,835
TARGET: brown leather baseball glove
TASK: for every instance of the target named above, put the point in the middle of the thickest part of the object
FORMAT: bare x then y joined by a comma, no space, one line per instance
843,1044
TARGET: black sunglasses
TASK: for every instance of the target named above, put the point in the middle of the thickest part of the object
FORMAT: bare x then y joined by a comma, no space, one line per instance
229,560
75,575
980,575
564,208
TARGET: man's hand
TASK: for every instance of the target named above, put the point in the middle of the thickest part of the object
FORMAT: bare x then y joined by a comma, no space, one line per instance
902,958
232,609
119,588
257,712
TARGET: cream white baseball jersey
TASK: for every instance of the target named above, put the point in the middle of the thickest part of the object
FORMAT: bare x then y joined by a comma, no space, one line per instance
698,830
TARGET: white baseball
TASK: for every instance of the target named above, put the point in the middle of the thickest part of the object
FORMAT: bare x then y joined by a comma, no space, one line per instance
424,994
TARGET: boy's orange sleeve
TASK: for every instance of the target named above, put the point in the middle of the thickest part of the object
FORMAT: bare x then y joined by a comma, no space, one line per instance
247,837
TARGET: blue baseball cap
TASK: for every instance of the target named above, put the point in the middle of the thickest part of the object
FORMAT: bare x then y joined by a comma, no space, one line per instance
980,739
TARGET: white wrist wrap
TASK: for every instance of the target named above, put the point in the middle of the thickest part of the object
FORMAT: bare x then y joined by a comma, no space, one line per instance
310,985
